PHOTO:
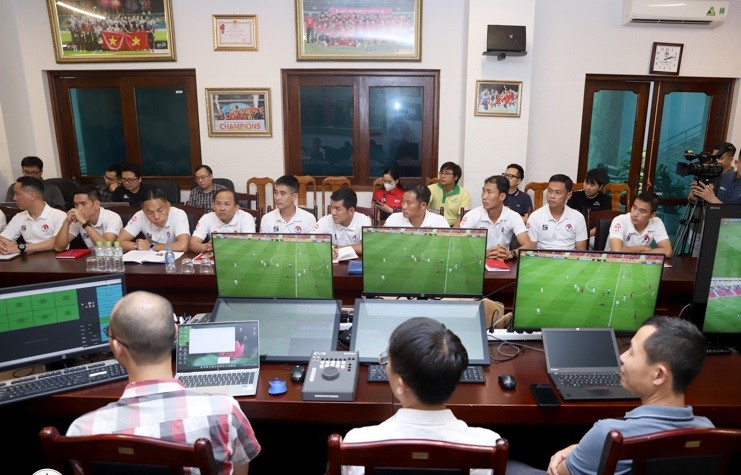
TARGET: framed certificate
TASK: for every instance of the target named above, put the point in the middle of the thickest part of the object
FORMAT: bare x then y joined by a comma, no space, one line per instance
235,32
666,58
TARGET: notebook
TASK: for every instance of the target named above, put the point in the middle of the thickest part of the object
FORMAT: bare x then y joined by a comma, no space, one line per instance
583,363
219,358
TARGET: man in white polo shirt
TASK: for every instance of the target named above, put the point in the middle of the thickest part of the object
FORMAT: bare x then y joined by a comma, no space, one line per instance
287,217
501,223
344,224
635,231
87,217
414,213
162,226
556,226
225,218
38,223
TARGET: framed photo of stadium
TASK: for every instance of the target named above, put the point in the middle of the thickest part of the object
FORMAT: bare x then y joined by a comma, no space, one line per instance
239,112
102,31
498,98
343,30
235,32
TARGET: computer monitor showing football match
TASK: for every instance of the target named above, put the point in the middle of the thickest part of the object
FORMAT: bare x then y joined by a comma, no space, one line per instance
571,289
716,300
55,321
375,319
273,265
423,262
290,329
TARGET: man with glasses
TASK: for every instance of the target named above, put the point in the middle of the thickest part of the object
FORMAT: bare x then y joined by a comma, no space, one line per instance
203,195
34,167
424,363
556,226
517,200
133,190
446,193
112,179
154,404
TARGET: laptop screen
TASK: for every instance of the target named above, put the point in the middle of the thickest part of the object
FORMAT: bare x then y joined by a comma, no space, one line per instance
596,348
218,346
290,330
273,265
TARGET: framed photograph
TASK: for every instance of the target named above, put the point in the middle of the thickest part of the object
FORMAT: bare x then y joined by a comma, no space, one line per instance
342,30
239,112
103,31
666,58
235,32
498,98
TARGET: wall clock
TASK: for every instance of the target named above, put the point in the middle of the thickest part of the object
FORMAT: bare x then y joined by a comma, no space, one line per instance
666,58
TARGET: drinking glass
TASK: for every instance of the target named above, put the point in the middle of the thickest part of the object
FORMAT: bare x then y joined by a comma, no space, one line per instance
207,267
187,266
91,264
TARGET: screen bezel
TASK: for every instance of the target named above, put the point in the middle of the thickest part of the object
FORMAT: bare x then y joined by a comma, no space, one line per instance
481,232
69,353
359,314
264,323
714,214
620,331
253,237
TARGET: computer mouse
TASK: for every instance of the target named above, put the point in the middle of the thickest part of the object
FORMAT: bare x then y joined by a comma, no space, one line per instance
507,381
297,374
277,386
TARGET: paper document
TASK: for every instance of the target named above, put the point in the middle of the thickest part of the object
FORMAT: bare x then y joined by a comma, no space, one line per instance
345,254
148,256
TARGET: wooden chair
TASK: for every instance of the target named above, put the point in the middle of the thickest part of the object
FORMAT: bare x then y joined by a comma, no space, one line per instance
615,190
332,184
261,185
256,213
706,451
378,183
306,182
538,188
432,181
249,200
123,453
415,453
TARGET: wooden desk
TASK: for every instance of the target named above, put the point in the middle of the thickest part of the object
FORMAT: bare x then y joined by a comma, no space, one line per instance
196,293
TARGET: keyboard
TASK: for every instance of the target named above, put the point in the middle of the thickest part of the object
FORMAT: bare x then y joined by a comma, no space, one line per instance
505,334
217,379
581,380
472,374
60,380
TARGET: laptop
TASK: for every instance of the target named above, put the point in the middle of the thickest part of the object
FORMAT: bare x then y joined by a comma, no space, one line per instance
221,358
584,363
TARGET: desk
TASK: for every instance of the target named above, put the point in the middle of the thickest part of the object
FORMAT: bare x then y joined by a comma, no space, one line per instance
196,293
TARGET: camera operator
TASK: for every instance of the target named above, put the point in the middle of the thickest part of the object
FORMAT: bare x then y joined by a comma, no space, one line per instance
726,189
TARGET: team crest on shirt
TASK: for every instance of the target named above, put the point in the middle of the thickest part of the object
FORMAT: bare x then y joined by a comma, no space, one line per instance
133,219
646,239
463,221
45,227
354,238
569,227
617,227
297,229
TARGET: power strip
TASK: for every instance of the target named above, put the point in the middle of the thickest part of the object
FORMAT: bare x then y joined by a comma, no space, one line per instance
503,334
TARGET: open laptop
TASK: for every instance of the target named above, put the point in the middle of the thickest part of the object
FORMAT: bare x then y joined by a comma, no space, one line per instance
583,363
219,357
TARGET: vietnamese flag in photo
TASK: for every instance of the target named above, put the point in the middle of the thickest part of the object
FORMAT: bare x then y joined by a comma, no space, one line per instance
112,40
136,40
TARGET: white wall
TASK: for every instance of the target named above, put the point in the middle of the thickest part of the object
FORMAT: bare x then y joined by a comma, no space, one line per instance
566,40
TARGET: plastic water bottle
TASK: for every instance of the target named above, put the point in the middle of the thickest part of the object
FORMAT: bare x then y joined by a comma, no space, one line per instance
169,261
118,263
100,255
108,251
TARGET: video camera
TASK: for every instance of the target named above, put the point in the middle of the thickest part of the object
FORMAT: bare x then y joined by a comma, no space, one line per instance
706,169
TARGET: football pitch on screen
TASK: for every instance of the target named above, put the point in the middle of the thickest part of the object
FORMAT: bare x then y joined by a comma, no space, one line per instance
586,294
723,314
423,264
273,269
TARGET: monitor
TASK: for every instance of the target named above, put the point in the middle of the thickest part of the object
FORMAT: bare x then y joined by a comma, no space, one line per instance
572,289
423,262
55,321
289,329
375,319
273,265
716,299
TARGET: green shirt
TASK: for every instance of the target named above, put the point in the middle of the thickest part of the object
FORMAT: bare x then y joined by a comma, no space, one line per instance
450,202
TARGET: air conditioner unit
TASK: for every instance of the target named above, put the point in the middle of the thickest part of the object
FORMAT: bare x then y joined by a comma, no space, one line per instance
708,13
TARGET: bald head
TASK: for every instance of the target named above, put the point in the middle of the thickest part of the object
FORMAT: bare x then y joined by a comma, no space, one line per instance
143,321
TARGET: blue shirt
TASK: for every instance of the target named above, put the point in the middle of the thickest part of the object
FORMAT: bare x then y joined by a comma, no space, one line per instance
728,189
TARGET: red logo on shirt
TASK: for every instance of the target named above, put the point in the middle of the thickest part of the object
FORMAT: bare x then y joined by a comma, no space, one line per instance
45,227
133,219
569,227
297,229
616,227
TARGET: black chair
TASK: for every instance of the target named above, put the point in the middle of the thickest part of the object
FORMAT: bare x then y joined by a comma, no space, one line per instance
194,215
170,188
218,181
603,232
256,213
66,185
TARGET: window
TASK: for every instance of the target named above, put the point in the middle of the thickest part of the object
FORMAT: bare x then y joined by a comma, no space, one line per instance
638,128
145,117
356,123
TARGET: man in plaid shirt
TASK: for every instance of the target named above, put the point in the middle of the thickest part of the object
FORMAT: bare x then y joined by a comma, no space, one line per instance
154,404
203,196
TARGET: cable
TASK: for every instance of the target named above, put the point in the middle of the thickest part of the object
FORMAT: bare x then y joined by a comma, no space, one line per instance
495,291
683,309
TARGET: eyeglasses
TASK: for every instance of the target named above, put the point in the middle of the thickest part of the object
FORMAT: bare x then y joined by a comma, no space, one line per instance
35,173
201,178
129,180
110,336
445,173
108,178
383,358
509,176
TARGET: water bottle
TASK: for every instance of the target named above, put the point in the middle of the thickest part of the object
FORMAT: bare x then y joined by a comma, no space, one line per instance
99,254
108,251
118,263
169,261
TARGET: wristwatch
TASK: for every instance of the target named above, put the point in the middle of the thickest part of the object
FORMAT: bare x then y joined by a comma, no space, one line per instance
514,254
151,246
22,248
86,224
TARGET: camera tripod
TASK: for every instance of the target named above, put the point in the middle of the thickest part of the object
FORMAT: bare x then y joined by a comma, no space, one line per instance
688,228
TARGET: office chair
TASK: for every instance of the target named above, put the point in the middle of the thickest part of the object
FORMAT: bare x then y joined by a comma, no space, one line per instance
170,188
112,454
415,453
706,451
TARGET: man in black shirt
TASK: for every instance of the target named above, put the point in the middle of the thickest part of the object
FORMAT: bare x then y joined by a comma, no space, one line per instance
133,190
